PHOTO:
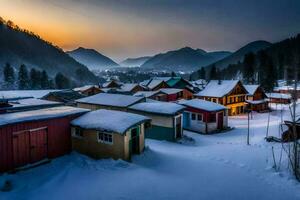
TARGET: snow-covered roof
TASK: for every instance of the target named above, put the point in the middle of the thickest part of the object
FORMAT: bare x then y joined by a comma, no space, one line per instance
10,94
41,114
202,104
107,99
287,88
109,121
170,90
145,93
154,82
216,88
127,87
251,89
106,84
83,88
256,102
32,102
278,96
164,108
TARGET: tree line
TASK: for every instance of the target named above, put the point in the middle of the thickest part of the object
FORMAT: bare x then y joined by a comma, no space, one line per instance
33,79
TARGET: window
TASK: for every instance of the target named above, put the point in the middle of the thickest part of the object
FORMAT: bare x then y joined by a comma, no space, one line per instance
105,138
212,117
78,132
214,100
193,116
199,117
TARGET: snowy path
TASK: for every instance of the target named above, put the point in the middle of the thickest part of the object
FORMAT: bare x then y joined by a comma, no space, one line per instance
218,166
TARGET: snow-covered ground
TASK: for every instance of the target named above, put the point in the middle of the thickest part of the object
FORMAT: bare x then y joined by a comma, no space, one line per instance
219,166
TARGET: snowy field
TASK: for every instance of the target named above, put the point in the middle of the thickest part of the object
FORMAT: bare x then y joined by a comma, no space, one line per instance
219,166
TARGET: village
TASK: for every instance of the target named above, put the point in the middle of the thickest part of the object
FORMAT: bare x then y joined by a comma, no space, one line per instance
120,123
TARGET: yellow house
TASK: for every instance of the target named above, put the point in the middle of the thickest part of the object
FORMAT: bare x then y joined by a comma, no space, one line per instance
109,134
230,93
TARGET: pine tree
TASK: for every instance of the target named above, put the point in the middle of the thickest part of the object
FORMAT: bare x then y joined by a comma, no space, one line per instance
61,81
201,73
45,80
9,75
23,78
213,73
33,79
249,68
173,74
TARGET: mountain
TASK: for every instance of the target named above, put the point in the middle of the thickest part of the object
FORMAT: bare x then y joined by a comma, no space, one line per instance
134,62
92,59
23,47
240,53
184,59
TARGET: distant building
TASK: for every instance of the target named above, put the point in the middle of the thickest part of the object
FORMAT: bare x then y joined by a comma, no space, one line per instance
204,116
279,98
166,119
129,88
109,101
154,84
109,134
230,93
67,97
88,90
112,84
256,99
32,136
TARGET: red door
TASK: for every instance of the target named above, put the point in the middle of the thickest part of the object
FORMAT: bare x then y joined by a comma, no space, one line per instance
220,120
21,148
38,145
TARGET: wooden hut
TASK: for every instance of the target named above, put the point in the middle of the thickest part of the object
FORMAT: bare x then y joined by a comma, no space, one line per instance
204,116
166,119
230,93
67,97
88,90
256,98
32,136
108,101
279,98
109,134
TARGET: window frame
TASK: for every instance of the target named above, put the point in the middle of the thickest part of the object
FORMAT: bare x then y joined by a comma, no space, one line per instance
76,129
200,114
105,135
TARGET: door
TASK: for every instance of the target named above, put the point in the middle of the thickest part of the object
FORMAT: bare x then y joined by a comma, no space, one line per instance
21,148
186,120
135,141
220,120
38,144
178,127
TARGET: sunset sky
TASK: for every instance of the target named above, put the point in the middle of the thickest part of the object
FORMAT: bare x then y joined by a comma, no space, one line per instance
125,28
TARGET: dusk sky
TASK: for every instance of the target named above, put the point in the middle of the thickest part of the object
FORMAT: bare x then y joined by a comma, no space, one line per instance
125,28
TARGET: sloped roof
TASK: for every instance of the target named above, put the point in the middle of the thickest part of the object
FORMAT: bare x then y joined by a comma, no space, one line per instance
145,93
109,121
202,105
164,108
278,96
214,89
41,114
107,99
251,88
127,87
83,88
170,90
66,95
154,82
18,94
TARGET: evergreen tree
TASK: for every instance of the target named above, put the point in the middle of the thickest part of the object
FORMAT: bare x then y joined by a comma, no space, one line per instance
33,79
45,80
280,73
201,73
249,68
9,75
173,74
61,81
23,78
213,73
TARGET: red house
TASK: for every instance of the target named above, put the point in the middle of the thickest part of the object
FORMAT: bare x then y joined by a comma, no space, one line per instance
32,136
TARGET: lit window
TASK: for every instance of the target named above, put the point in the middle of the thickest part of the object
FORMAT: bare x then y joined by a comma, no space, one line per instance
105,138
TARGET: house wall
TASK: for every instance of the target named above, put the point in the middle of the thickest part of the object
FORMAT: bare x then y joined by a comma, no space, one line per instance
58,134
89,145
